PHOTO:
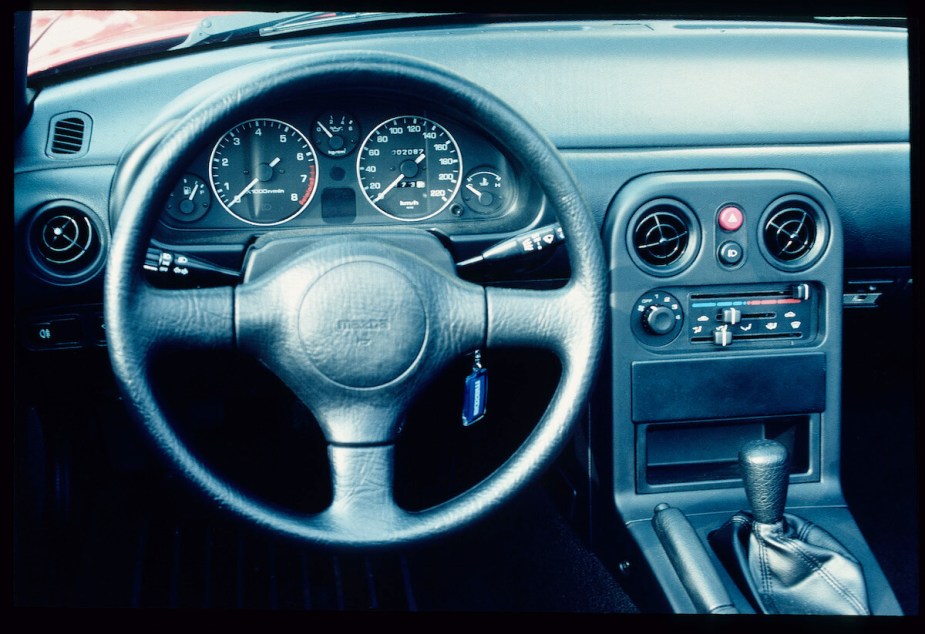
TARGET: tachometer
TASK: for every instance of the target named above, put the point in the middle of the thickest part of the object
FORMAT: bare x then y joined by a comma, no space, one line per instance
263,171
409,168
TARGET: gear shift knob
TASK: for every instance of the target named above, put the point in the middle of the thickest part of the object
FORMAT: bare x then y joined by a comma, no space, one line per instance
765,466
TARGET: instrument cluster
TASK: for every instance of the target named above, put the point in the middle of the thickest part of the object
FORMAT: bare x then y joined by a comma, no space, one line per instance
358,161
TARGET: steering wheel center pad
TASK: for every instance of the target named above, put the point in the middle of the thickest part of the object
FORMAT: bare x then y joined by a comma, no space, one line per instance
362,324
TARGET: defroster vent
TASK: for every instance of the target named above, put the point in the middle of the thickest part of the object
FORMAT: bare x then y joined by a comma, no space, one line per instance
69,136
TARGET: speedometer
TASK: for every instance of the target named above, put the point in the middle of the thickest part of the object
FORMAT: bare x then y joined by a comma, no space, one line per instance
263,172
409,168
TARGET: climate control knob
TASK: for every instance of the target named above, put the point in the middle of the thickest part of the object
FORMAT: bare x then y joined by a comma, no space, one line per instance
659,319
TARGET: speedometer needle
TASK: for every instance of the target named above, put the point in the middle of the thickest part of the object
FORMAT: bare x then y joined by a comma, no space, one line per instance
389,188
395,182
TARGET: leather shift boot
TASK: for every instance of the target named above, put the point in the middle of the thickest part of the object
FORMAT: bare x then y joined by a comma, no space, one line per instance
791,566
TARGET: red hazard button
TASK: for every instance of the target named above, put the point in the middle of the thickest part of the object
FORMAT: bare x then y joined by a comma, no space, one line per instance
730,218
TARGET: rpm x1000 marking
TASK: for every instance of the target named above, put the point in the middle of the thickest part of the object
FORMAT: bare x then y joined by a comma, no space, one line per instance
409,168
263,172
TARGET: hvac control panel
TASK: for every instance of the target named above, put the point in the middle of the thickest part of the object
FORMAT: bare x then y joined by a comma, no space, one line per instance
724,317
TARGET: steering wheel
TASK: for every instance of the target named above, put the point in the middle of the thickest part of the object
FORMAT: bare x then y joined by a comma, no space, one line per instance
301,315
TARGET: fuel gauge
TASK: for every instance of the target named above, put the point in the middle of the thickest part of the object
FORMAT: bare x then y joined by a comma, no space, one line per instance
484,191
189,200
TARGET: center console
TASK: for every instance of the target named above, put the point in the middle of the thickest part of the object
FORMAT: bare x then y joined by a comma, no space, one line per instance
726,303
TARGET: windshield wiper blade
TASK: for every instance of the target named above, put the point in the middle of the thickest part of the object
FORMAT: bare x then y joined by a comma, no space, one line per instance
222,28
307,21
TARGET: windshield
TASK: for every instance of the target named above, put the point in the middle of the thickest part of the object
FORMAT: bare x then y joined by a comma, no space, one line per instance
74,37
63,37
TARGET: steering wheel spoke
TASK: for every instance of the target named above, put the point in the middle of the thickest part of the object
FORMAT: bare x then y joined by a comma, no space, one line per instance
363,485
192,318
549,319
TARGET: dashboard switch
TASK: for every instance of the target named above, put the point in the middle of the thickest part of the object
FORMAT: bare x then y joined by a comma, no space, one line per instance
801,291
659,320
732,316
50,333
722,337
730,218
730,253
659,317
530,243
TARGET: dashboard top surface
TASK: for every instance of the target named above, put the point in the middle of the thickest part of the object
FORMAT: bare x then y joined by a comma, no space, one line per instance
586,85
618,98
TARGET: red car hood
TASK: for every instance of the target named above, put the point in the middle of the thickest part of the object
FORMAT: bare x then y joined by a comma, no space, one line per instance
59,37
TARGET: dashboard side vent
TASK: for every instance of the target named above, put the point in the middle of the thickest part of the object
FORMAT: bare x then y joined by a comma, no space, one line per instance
663,237
793,232
69,136
65,242
789,233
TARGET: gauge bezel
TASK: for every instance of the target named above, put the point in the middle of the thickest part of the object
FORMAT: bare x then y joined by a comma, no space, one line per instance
351,144
200,210
313,163
495,207
459,168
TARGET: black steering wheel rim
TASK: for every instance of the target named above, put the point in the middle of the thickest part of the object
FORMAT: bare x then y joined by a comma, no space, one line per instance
570,321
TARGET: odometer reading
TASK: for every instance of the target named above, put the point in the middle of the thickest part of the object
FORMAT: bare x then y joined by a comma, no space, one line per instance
263,172
409,168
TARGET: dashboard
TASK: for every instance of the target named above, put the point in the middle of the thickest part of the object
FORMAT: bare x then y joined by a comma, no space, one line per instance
747,181
594,88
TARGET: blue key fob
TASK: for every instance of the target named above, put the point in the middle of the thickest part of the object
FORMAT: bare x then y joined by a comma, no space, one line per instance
475,396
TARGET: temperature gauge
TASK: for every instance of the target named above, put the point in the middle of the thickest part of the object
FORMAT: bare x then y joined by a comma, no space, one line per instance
189,200
335,134
484,191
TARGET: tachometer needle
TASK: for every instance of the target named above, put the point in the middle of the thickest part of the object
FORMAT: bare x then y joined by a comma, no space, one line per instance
325,130
389,188
237,198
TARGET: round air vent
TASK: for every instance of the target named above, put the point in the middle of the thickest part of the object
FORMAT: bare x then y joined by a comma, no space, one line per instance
65,242
664,237
793,232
